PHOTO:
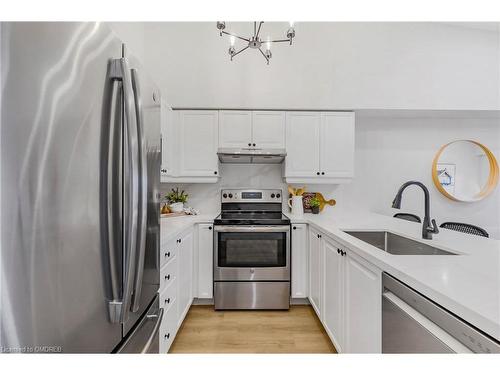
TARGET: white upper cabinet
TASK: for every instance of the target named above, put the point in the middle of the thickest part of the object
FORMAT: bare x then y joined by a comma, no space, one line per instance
189,146
337,145
268,129
167,138
235,129
198,132
320,147
254,129
302,144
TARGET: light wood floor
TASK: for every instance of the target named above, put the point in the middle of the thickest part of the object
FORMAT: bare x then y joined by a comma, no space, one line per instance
208,331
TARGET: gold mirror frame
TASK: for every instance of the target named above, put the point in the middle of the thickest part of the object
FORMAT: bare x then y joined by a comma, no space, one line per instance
487,188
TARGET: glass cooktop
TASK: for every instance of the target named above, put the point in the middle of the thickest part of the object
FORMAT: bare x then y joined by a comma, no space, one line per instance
252,218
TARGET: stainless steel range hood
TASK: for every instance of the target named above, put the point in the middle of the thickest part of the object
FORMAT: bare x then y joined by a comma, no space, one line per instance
251,155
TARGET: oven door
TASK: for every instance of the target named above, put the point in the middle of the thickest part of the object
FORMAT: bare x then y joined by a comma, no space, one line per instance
251,253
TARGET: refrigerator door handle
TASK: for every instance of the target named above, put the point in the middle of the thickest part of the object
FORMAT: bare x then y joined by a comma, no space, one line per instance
114,305
143,193
121,71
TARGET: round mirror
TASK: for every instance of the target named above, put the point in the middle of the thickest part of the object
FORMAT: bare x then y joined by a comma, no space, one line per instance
465,171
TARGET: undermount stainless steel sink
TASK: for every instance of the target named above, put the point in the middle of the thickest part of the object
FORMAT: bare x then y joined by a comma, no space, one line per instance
397,245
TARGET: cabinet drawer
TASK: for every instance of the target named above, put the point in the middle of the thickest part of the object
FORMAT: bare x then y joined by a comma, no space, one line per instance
168,296
168,328
168,251
168,273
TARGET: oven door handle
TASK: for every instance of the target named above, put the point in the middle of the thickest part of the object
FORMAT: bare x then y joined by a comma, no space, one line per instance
252,229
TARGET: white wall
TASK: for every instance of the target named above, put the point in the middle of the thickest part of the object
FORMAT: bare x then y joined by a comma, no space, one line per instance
132,34
390,151
330,66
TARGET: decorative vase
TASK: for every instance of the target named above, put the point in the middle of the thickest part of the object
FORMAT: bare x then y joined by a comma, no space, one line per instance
315,210
295,203
177,207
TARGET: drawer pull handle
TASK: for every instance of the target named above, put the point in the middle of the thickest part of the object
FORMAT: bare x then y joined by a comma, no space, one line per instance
167,300
167,336
167,254
167,277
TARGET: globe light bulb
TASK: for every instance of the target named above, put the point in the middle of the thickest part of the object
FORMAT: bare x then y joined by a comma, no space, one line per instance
291,23
232,40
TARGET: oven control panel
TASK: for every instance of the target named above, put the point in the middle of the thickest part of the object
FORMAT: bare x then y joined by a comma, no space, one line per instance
253,196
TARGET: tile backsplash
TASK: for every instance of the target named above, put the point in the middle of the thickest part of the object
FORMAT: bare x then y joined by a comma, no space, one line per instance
206,197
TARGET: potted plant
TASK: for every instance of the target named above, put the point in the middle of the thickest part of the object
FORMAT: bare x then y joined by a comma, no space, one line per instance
176,200
314,203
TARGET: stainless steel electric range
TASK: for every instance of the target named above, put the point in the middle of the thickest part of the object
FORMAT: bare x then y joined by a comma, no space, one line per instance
251,251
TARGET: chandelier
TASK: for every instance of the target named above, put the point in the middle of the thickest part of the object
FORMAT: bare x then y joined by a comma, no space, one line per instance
254,41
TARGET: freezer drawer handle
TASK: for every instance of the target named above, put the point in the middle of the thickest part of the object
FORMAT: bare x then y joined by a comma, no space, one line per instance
159,317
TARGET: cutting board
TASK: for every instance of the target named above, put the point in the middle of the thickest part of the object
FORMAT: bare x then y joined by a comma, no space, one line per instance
306,198
323,202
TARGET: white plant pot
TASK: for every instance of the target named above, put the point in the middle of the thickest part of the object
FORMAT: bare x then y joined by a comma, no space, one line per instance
177,207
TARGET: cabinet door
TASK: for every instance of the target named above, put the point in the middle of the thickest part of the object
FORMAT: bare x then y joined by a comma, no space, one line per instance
268,129
205,261
167,137
300,271
302,144
363,306
315,270
337,145
185,283
333,293
235,129
198,143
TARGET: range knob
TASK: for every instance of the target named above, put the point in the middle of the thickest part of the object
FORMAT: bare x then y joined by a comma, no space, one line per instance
224,195
278,195
230,195
273,195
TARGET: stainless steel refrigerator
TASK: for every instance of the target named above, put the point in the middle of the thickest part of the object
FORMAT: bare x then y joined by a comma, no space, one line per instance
80,173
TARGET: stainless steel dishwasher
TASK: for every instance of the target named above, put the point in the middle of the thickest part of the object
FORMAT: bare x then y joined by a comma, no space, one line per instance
412,323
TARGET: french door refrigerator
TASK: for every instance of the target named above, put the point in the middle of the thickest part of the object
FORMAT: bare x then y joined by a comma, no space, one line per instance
80,172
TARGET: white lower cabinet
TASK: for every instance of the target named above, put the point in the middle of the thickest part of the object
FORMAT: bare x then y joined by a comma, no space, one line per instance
168,328
300,263
175,293
345,291
185,274
315,270
363,306
204,263
333,295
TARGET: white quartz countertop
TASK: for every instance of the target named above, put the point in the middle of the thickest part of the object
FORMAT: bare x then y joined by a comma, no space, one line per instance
467,284
170,227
